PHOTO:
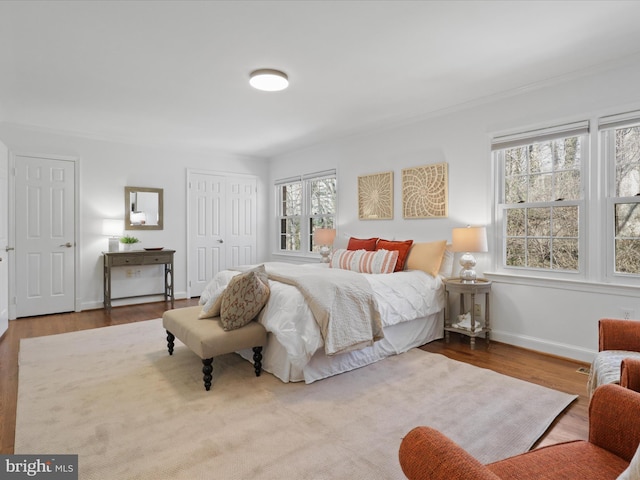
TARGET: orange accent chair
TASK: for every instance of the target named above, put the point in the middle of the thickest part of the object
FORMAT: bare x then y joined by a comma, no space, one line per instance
618,358
614,435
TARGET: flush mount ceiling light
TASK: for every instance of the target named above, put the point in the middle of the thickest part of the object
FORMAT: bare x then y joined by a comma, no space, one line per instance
269,80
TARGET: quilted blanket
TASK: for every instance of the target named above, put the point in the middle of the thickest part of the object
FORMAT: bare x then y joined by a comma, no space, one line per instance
342,303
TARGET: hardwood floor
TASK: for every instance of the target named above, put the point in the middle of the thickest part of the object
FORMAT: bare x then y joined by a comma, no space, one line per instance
549,371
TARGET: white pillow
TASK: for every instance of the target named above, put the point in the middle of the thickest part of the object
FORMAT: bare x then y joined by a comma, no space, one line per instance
363,261
212,286
633,470
212,292
212,307
446,267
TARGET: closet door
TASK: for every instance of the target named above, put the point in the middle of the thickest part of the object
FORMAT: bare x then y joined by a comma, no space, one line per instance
221,226
241,222
4,239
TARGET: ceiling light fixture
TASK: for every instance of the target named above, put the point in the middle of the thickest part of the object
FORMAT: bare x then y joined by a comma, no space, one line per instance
269,80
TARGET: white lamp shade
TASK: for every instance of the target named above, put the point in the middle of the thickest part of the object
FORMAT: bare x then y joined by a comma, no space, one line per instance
469,239
324,236
269,80
112,227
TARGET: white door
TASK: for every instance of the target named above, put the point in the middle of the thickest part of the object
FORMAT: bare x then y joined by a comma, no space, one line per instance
221,226
241,221
4,239
206,224
45,235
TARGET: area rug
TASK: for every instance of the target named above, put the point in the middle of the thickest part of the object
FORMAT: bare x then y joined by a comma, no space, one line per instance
116,398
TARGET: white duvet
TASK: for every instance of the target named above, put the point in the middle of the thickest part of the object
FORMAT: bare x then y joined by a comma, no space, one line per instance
400,296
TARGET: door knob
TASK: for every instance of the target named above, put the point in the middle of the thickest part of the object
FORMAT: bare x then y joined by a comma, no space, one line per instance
8,249
68,245
220,241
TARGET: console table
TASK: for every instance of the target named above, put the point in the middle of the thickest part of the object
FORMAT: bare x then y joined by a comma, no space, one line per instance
138,257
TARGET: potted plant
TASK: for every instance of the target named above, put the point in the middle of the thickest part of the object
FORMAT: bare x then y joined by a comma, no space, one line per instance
127,242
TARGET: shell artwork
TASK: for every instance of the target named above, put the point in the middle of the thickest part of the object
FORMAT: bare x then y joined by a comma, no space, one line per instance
425,191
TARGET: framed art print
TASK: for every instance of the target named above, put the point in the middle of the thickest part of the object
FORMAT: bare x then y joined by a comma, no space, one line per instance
375,196
425,192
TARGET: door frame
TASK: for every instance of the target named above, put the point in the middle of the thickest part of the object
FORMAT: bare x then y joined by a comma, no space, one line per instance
12,225
189,173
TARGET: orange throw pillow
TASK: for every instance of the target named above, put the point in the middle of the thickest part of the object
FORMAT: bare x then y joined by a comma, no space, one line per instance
362,244
401,246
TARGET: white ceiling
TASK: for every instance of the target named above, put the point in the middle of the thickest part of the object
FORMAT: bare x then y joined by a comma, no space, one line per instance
176,73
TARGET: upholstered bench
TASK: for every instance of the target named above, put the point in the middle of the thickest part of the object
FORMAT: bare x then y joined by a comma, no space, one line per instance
207,339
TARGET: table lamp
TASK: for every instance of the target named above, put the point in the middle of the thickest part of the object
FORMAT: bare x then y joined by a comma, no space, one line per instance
113,228
324,237
467,240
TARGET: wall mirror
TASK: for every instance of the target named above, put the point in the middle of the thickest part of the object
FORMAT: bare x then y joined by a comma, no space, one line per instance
142,208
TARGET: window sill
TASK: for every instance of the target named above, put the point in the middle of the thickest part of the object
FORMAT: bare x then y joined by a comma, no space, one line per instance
575,285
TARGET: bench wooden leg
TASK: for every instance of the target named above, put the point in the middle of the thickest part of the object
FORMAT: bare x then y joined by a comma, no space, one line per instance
257,360
206,370
170,339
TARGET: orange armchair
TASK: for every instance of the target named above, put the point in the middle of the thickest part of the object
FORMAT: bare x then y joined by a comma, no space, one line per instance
619,340
614,435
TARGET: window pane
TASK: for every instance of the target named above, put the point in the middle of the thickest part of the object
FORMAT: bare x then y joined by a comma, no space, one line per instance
539,253
291,196
291,234
627,161
540,188
627,250
628,256
565,221
283,234
516,256
515,222
323,196
539,222
515,161
567,185
627,219
565,254
541,157
566,154
516,189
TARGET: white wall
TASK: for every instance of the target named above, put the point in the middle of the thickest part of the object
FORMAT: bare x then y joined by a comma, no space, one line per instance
555,318
105,169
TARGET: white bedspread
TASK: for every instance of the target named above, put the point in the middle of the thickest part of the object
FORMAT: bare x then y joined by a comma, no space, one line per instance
400,297
341,301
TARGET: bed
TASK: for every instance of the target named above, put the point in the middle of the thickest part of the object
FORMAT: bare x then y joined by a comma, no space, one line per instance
410,305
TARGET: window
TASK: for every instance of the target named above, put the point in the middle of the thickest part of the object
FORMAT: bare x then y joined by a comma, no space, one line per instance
621,154
540,204
305,204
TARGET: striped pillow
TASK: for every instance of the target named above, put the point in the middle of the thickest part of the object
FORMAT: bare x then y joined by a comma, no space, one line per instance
363,261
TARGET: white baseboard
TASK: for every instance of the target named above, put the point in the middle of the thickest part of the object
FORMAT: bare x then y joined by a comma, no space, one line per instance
553,348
